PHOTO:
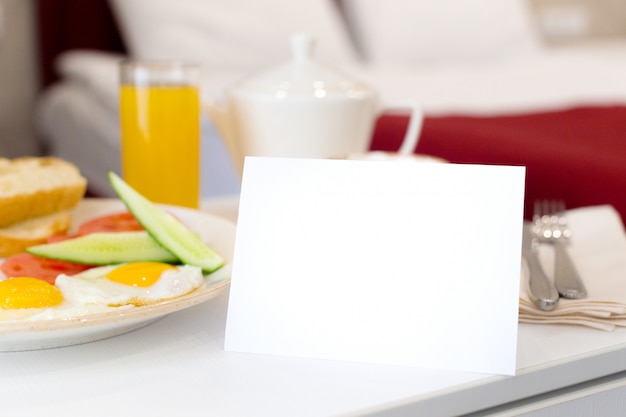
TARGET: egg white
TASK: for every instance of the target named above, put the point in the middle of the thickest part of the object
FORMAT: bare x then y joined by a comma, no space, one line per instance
65,310
91,287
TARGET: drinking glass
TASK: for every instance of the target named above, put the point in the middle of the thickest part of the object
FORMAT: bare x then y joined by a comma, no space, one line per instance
160,130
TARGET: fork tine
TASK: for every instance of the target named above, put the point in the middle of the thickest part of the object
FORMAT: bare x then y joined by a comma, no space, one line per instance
537,212
563,225
537,223
555,228
541,219
545,212
546,219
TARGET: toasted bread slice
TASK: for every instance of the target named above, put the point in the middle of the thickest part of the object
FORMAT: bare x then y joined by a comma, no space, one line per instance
18,236
37,186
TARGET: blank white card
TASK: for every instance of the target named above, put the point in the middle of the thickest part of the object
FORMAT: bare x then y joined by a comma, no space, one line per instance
401,263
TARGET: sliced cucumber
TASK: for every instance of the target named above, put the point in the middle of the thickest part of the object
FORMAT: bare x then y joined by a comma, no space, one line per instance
166,229
106,248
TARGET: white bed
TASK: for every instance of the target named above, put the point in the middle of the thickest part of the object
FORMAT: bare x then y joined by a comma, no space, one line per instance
499,69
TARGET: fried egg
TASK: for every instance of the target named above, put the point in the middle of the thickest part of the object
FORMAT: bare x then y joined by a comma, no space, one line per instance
27,298
97,290
26,292
138,283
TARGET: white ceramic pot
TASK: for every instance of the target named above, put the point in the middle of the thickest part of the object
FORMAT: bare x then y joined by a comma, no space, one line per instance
302,109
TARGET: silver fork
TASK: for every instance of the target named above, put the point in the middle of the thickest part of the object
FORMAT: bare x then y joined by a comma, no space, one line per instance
550,225
541,290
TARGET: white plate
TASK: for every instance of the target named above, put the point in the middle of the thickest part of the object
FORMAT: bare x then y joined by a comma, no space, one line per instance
218,233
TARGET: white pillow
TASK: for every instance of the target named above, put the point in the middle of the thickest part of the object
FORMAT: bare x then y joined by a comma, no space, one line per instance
431,32
95,71
231,35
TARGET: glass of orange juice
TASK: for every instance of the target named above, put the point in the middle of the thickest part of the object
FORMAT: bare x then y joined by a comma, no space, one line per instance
160,130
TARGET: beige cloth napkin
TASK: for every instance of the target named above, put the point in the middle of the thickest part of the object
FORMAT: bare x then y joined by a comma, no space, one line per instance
598,248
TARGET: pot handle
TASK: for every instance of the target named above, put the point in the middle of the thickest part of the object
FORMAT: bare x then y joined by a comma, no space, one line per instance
414,129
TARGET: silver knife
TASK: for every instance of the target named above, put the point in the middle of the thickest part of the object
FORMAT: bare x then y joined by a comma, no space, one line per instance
542,292
566,277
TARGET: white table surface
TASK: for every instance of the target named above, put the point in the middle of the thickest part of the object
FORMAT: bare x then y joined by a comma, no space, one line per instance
178,364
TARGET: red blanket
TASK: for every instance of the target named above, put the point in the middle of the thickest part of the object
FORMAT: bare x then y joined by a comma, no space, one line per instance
578,155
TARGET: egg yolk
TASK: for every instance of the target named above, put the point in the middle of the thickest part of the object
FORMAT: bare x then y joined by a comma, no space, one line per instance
26,292
139,274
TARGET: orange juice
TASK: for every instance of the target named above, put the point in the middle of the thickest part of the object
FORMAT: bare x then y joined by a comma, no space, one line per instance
160,128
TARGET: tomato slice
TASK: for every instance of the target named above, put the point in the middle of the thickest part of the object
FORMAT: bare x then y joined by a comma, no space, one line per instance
116,222
27,265
59,238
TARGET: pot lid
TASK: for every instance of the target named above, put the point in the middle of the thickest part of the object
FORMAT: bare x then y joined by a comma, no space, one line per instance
303,77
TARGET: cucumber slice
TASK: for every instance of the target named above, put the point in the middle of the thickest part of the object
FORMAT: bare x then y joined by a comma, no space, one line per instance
166,229
106,248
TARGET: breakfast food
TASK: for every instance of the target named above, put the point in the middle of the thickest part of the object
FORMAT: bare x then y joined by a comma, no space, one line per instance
138,283
166,229
18,236
102,248
32,187
61,280
36,194
25,298
96,290
27,292
25,264
116,222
